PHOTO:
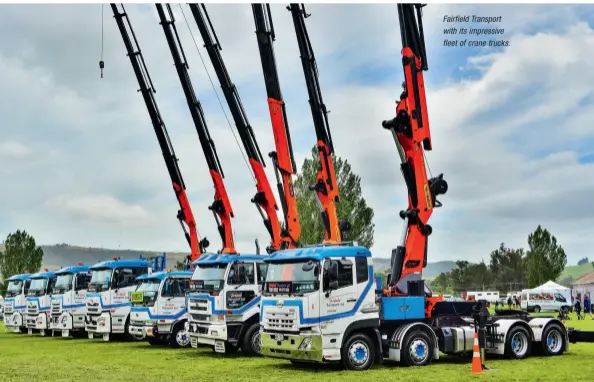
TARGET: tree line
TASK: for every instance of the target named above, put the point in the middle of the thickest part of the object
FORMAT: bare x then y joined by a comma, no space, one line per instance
508,269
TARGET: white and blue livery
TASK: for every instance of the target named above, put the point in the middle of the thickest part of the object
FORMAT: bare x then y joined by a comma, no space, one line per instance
108,298
39,301
224,302
15,302
68,303
159,310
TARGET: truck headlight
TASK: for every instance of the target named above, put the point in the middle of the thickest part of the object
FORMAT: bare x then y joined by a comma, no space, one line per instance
305,344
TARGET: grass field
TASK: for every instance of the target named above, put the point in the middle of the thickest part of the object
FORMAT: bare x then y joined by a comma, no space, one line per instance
35,358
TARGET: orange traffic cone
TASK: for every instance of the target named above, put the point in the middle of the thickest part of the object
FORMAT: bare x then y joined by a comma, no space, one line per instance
477,364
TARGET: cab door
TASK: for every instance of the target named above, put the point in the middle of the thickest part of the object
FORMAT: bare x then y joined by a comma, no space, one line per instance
339,294
172,300
243,289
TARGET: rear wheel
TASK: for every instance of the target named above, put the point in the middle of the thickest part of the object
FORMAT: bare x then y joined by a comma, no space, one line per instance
358,352
251,340
553,340
518,343
417,349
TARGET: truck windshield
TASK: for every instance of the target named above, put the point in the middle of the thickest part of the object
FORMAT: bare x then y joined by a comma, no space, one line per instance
100,278
64,283
14,288
37,287
208,277
298,277
146,291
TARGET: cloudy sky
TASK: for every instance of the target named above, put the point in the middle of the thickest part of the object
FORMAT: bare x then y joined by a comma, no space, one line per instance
512,128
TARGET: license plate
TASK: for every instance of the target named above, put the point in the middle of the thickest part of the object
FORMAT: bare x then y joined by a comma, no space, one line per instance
136,296
279,337
219,346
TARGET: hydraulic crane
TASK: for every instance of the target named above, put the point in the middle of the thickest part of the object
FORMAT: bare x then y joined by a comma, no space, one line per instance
283,158
264,198
221,207
326,186
185,214
412,135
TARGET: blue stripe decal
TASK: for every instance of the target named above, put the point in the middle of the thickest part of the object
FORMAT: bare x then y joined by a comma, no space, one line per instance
317,320
159,316
64,306
36,300
112,306
228,311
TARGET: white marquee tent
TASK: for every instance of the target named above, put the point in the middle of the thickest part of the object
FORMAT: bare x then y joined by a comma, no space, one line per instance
553,287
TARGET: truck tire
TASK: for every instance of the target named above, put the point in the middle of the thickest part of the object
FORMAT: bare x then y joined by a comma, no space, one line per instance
179,338
518,343
358,352
537,309
553,340
250,344
417,349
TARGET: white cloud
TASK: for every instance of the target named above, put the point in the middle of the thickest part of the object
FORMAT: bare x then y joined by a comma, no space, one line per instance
507,138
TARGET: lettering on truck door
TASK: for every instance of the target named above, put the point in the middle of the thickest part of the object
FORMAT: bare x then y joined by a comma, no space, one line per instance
173,296
338,303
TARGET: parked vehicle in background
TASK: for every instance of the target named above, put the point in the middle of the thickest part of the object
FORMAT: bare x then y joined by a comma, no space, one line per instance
489,296
159,308
39,301
68,303
543,301
15,303
1,308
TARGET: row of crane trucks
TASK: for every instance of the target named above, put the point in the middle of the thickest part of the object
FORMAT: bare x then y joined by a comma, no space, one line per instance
306,304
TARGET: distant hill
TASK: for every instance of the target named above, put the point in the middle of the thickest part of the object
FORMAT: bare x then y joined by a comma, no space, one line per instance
576,271
63,255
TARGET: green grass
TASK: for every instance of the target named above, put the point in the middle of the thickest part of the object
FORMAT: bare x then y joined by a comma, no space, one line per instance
576,271
35,358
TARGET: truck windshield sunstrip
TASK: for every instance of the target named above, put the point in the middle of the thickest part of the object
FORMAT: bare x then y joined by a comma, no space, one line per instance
208,278
292,278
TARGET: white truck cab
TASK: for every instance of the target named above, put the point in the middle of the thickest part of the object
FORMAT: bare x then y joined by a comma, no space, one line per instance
159,308
320,304
69,308
223,302
39,301
15,303
108,298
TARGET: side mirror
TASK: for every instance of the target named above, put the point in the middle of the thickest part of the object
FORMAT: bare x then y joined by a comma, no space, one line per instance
333,285
333,272
108,281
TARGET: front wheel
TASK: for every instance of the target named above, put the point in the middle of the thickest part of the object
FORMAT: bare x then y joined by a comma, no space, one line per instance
358,352
179,337
251,340
537,309
553,340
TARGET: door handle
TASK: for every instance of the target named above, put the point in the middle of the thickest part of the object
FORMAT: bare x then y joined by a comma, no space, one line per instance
351,300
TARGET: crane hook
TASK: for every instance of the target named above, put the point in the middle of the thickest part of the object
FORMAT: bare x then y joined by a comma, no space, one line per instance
101,66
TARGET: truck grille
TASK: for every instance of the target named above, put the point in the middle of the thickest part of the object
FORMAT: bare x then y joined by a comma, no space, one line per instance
8,310
32,311
56,308
198,305
281,320
137,323
200,317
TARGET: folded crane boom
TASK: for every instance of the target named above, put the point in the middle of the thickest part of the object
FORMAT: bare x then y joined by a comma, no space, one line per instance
185,214
283,158
264,198
411,133
221,207
326,186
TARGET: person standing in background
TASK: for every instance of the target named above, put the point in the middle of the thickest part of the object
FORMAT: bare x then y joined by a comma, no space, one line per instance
587,305
578,307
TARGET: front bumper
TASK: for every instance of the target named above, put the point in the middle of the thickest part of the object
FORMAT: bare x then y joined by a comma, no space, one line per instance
13,322
207,334
289,346
100,324
39,321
